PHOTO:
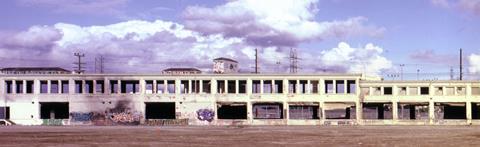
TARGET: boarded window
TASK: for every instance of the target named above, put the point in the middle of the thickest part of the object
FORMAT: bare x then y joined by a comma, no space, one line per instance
267,111
303,112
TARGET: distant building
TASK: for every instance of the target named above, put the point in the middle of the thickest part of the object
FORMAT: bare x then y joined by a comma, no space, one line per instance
181,71
225,65
34,70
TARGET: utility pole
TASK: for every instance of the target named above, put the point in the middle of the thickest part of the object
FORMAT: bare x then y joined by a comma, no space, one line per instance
461,64
451,73
256,61
401,71
79,63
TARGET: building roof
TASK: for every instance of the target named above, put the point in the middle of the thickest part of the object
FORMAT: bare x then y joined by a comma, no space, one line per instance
227,59
181,69
34,69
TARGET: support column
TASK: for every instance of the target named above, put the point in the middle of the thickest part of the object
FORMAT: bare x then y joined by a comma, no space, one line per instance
285,86
261,87
249,86
395,110
154,87
14,87
431,111
190,87
59,86
345,86
83,87
358,111
297,87
94,87
213,87
143,84
225,87
309,87
469,112
200,86
250,111
237,87
119,86
286,114
334,86
24,87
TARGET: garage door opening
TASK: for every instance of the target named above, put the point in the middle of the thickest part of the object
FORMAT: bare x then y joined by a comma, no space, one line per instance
304,111
450,111
340,111
413,111
377,111
268,111
159,110
4,112
232,111
54,110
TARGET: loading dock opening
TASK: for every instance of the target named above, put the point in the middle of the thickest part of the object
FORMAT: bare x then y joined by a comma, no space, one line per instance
303,111
268,110
160,110
232,110
413,111
54,110
377,111
340,110
4,112
450,111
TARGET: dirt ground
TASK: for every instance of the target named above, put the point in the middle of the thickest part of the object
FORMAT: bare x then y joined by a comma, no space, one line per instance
244,136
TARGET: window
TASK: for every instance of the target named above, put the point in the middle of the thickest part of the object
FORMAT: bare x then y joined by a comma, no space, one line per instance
328,86
114,86
351,86
231,86
206,86
267,86
130,87
9,86
19,88
424,90
340,86
314,86
387,91
149,87
402,90
292,86
89,86
170,86
242,86
184,86
220,86
29,87
303,86
65,87
256,86
278,86
43,87
99,87
78,86
54,87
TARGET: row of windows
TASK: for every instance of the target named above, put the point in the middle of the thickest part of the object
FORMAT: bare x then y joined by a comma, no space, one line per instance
185,86
460,90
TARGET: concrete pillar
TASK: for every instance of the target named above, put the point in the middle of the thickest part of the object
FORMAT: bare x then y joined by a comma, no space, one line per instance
225,86
154,87
297,87
322,110
249,86
213,87
83,87
286,115
14,87
394,110
261,87
71,86
249,111
358,111
309,87
177,86
469,112
190,86
345,86
119,86
431,111
24,88
59,86
36,86
94,86
106,86
321,86
201,86
143,85
285,86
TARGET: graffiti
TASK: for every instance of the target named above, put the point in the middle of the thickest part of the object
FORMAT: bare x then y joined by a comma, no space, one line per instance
166,122
205,115
79,116
125,117
53,122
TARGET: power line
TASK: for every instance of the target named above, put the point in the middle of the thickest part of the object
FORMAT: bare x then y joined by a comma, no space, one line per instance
79,63
99,64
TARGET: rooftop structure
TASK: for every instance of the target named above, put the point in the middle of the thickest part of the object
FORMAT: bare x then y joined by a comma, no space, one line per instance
34,70
225,66
181,71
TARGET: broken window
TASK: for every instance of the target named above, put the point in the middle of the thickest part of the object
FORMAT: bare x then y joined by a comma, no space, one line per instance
267,86
29,87
278,86
114,86
231,86
314,86
303,112
461,91
303,86
78,86
206,86
402,90
424,91
184,86
9,86
242,86
64,89
292,86
256,86
43,87
377,90
130,87
54,110
340,86
196,86
53,86
387,91
160,86
413,111
451,111
351,86
88,86
99,87
220,86
267,111
149,87
476,110
160,110
328,86
19,86
438,90
232,111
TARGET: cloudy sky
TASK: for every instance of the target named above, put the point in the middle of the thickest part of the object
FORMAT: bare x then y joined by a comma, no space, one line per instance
368,36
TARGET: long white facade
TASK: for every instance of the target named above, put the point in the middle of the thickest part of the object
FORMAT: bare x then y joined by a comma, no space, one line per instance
235,99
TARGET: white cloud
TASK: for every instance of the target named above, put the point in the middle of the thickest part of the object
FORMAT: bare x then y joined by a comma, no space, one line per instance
474,63
344,58
273,22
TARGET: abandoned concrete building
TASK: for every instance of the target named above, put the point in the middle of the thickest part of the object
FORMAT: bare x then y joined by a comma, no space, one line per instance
234,99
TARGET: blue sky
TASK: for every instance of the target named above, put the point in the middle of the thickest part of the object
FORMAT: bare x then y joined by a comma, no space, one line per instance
423,34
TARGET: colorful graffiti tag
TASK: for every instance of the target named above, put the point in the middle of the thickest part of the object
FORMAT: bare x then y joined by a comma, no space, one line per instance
205,115
53,122
125,117
166,122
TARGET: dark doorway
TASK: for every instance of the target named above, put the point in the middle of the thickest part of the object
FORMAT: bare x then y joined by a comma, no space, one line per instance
54,110
232,111
4,112
154,110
